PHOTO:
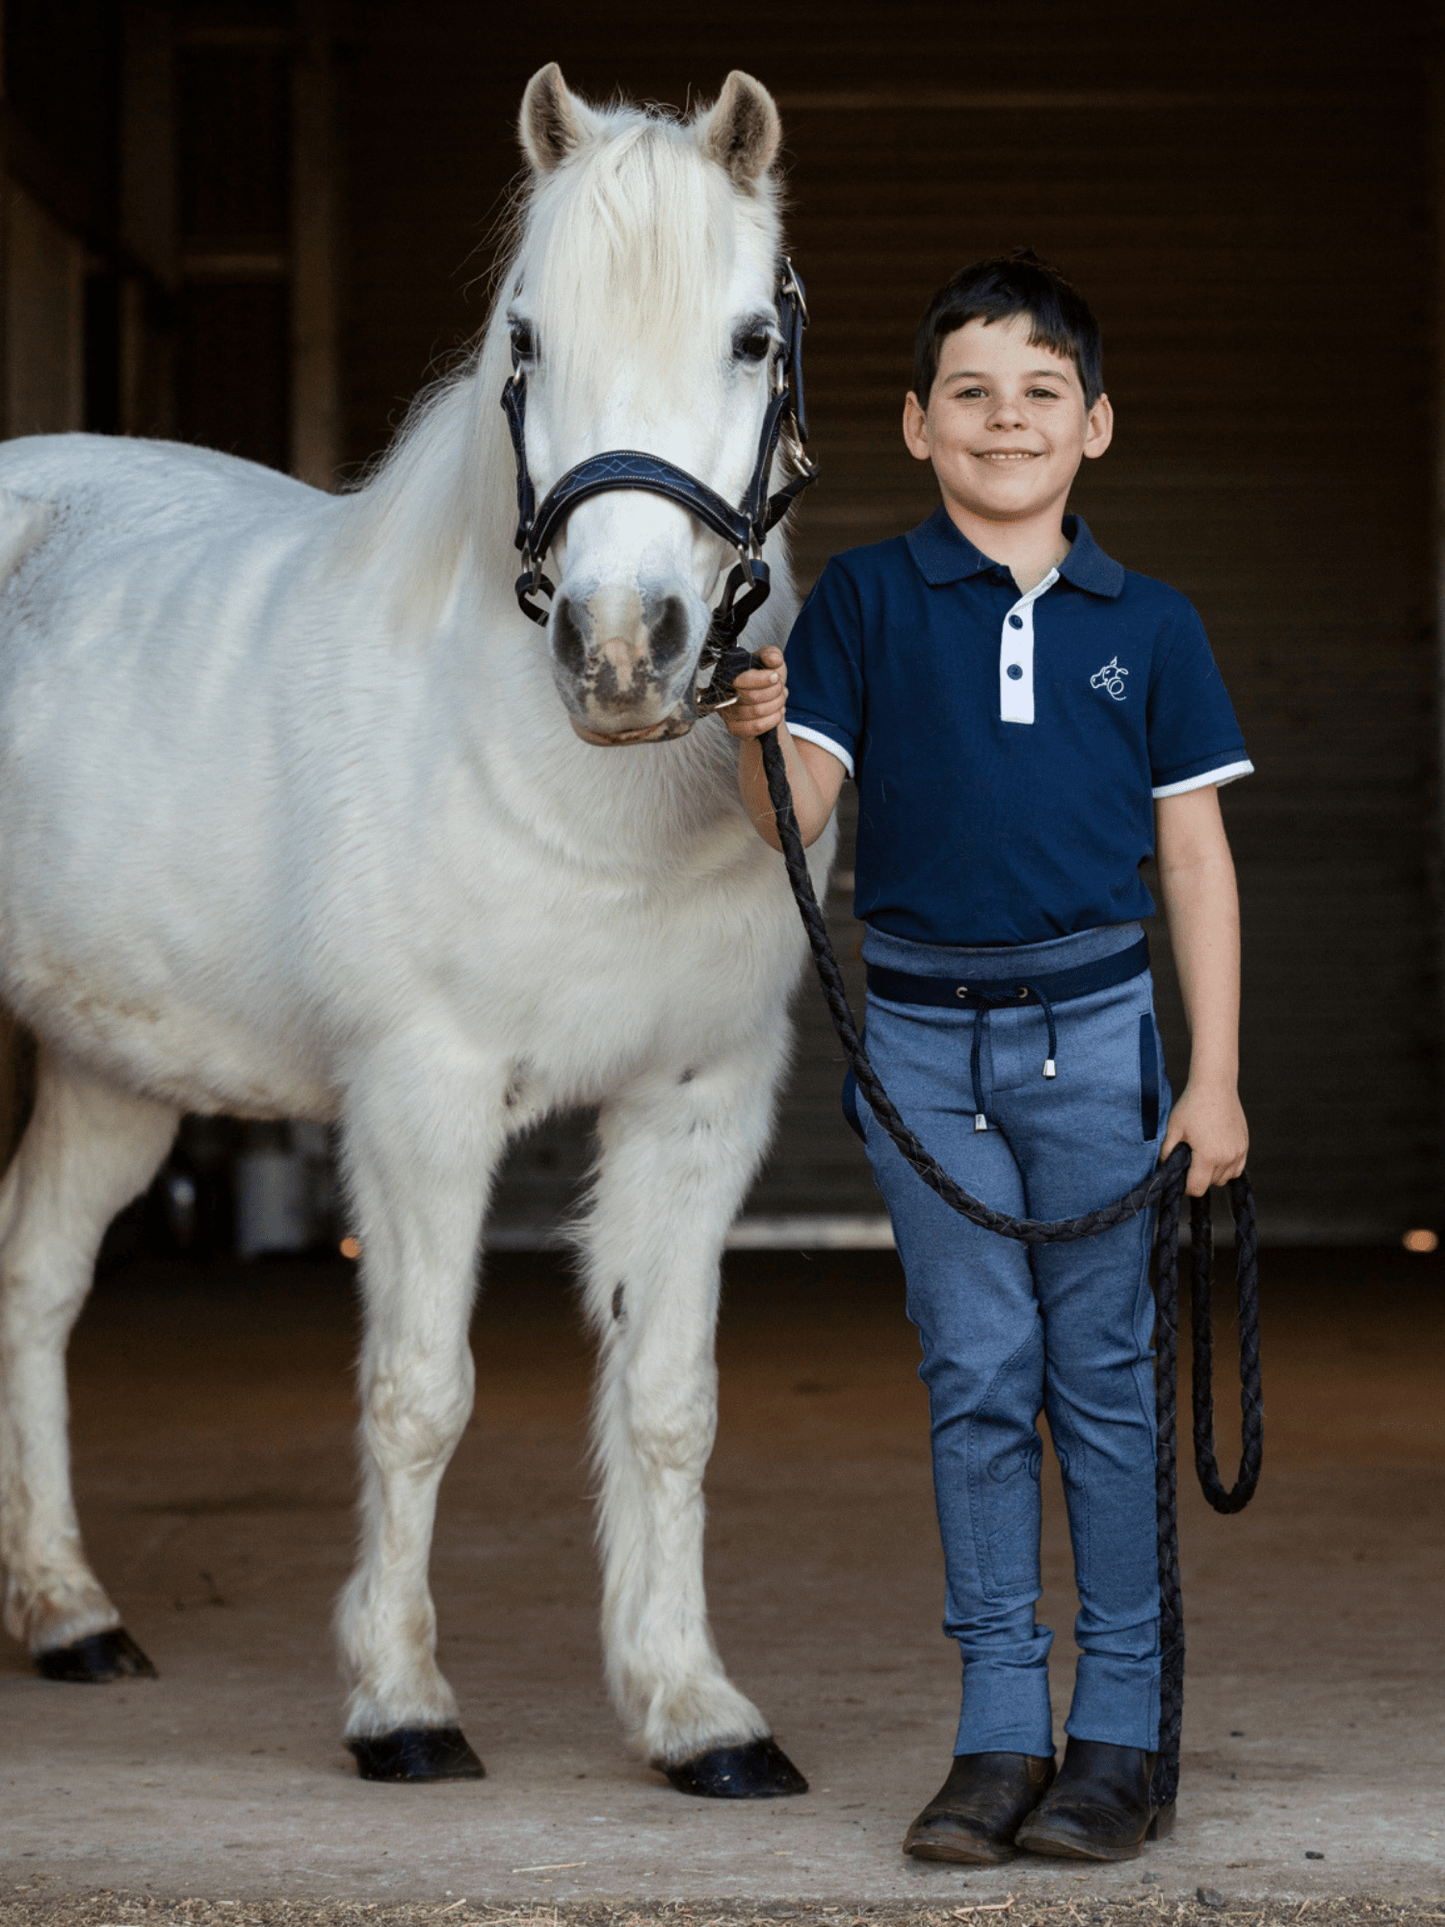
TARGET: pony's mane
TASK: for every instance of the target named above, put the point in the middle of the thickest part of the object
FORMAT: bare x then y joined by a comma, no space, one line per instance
637,224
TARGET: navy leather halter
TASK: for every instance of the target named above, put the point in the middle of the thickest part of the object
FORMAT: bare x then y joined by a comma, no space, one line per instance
745,526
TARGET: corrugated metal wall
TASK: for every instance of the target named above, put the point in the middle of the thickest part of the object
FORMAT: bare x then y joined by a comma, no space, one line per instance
1247,203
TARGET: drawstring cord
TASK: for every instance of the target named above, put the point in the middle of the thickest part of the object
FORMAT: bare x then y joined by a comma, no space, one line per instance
980,1122
983,999
1051,1068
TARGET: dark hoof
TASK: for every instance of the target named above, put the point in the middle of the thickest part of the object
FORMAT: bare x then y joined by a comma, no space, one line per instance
97,1660
417,1753
758,1770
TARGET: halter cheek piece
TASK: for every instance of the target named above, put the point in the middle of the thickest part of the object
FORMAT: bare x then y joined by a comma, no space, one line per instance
745,527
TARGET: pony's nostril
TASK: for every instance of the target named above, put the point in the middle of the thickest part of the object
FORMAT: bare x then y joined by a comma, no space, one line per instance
571,633
666,629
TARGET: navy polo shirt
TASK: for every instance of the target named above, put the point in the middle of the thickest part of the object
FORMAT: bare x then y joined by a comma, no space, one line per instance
1006,748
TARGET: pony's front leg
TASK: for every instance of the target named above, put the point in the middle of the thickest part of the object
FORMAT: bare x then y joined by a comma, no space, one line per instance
678,1152
420,1150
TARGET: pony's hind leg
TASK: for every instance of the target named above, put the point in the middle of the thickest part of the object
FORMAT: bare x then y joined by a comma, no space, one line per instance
88,1150
678,1153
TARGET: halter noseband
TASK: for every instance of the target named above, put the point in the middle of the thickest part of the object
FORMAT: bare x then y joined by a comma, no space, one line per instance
744,527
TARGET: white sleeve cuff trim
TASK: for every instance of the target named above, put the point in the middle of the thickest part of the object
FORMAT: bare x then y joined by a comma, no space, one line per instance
1226,773
823,742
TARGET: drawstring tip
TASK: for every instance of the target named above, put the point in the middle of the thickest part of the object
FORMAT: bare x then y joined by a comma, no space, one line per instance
1050,1068
980,1122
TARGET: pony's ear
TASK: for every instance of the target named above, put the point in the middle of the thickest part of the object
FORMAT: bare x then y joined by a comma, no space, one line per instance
742,131
553,121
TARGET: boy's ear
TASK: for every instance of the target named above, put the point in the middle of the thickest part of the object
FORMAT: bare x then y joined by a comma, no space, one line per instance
915,428
1100,430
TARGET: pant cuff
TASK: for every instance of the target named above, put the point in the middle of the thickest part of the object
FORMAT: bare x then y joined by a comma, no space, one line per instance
1116,1701
1005,1710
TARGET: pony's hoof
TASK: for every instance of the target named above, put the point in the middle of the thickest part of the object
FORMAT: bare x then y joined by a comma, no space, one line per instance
417,1753
759,1770
96,1660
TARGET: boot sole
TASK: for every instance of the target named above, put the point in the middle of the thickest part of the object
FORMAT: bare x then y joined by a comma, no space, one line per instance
1070,1847
958,1854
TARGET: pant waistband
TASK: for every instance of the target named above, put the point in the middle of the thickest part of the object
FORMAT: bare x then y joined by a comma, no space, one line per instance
984,989
967,961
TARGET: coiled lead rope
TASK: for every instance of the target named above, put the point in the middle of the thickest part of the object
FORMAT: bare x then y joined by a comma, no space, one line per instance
1164,1186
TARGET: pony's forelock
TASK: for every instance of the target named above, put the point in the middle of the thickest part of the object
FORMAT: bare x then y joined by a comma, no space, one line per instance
640,228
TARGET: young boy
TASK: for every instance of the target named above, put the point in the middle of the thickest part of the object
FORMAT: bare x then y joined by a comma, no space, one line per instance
1025,720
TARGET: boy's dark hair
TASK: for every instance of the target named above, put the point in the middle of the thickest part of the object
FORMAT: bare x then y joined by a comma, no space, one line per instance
1017,283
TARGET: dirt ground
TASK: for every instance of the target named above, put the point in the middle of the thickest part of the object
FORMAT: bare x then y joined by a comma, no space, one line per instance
111,1910
213,1454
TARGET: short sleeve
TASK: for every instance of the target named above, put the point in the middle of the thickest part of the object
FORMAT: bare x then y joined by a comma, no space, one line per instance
825,666
1194,739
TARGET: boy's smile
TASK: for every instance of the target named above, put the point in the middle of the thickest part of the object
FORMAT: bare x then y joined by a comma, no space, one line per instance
1005,428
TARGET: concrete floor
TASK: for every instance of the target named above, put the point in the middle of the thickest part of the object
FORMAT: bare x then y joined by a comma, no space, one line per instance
213,1455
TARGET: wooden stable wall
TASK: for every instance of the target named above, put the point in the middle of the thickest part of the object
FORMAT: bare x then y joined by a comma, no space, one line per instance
286,212
45,207
1246,197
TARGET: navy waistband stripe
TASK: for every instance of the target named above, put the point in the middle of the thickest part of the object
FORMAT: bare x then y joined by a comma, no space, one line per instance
1020,986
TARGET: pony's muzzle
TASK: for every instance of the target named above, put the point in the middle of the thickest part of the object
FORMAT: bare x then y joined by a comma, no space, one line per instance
624,663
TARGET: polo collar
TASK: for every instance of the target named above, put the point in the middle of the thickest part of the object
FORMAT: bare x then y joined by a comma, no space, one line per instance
943,553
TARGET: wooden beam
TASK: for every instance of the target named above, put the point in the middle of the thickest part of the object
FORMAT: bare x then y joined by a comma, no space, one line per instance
315,388
1437,539
147,220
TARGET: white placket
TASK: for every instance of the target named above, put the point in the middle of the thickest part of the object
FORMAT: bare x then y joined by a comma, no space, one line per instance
1016,656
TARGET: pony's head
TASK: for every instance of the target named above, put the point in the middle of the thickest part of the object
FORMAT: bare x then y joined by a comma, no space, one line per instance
641,309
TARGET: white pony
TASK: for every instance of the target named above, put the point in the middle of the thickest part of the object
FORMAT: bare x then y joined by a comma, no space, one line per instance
300,817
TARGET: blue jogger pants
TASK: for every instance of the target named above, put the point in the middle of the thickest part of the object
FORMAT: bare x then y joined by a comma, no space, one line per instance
1010,1330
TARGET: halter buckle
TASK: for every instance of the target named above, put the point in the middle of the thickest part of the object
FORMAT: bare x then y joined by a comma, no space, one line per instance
530,583
791,288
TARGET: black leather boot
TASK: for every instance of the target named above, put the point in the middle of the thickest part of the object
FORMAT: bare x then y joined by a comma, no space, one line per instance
973,1817
1098,1808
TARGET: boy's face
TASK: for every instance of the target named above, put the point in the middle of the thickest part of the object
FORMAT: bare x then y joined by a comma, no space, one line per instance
1005,425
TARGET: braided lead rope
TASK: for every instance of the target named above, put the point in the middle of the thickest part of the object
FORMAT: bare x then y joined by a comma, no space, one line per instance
1251,1402
1165,1786
1164,1186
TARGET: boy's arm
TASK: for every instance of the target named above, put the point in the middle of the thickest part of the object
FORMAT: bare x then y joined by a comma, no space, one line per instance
814,776
1201,907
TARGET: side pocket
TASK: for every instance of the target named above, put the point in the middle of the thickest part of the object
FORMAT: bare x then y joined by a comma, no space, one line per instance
850,1106
1148,1079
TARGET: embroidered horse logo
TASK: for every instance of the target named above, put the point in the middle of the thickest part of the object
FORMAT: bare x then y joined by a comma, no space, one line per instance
1110,677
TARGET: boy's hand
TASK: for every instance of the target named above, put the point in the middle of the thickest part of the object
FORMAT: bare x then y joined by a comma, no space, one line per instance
1210,1121
762,696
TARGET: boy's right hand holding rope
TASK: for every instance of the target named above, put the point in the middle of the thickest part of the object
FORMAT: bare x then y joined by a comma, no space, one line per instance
815,775
762,697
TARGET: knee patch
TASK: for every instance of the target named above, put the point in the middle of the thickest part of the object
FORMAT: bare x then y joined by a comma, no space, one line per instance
1005,1454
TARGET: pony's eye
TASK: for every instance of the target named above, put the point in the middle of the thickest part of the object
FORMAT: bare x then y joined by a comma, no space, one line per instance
524,344
752,346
